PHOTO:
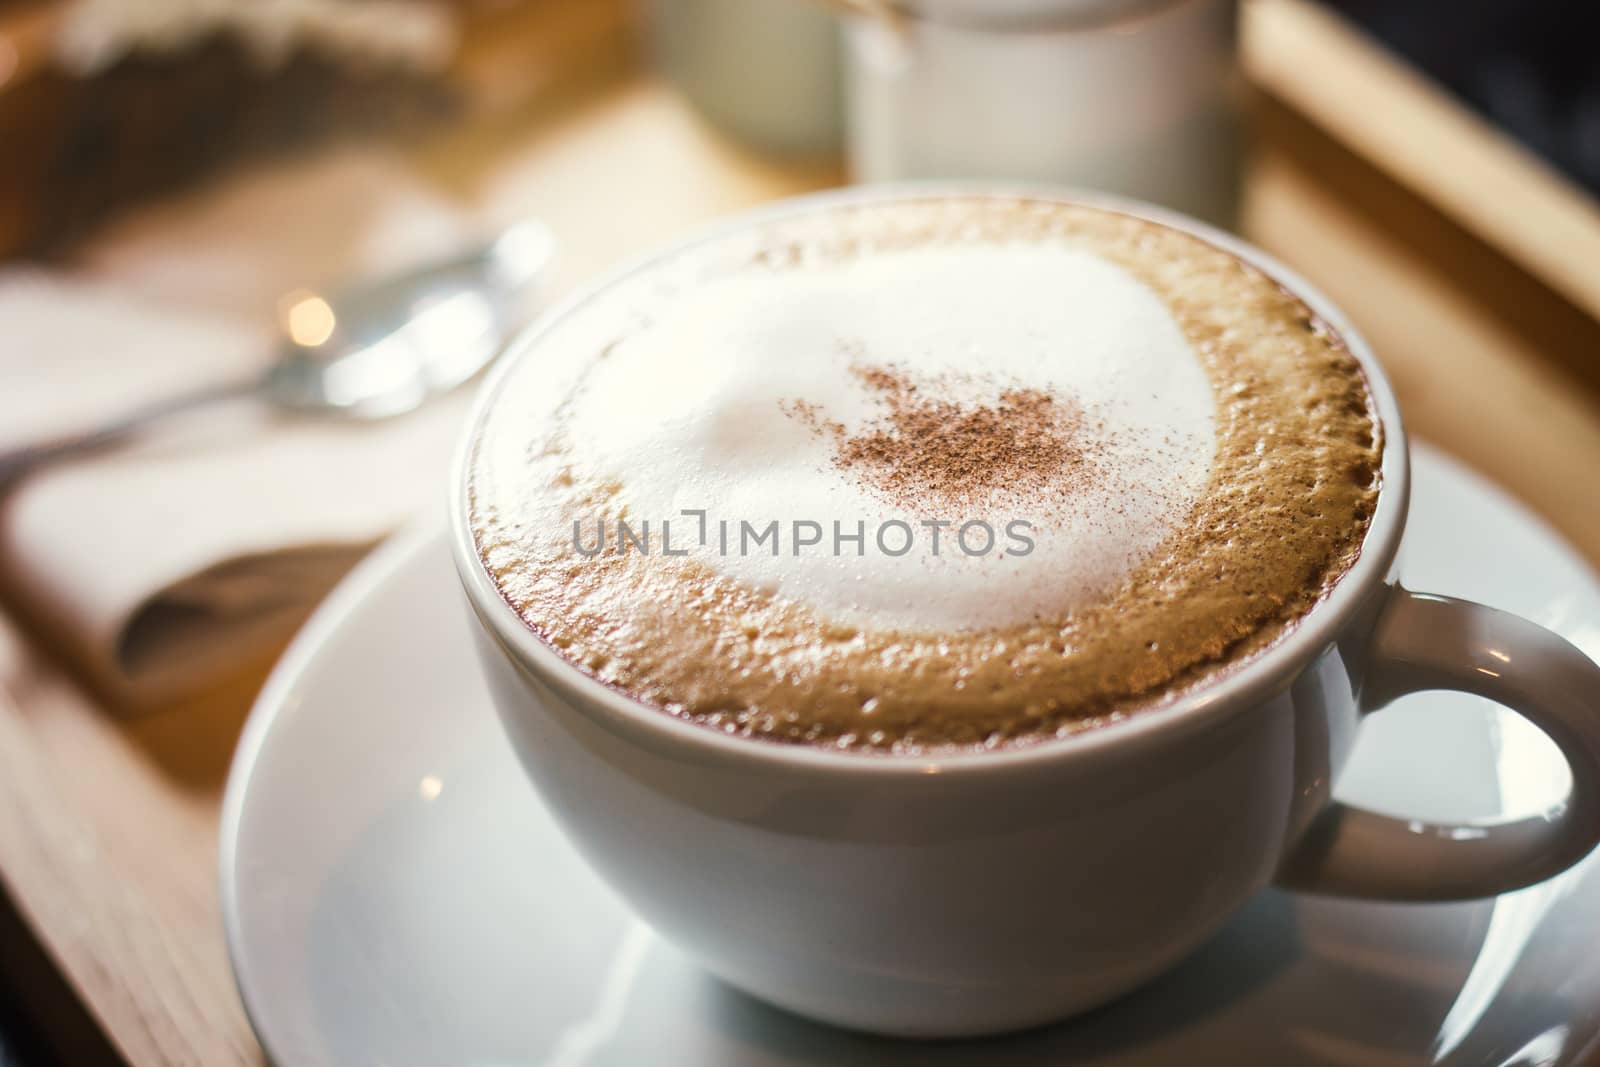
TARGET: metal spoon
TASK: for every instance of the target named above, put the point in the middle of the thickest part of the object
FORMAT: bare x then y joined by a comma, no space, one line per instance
372,351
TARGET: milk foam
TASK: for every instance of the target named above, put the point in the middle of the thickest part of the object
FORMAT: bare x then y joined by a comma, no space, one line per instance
687,410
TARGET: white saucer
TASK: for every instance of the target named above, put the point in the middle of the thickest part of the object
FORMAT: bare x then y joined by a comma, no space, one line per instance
394,894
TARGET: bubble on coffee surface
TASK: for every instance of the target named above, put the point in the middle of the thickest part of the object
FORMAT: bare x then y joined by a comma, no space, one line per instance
1194,455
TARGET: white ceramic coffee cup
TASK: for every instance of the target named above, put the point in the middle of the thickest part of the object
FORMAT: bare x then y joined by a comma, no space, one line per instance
937,896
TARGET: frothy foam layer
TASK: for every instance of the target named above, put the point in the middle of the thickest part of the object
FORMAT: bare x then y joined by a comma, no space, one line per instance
922,473
735,397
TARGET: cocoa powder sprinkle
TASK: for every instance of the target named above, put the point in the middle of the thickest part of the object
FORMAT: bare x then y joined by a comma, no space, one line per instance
927,446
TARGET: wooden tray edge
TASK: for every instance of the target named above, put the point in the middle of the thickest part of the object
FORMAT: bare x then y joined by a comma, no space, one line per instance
1319,64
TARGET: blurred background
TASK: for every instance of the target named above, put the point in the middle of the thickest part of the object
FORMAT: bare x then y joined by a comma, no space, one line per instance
290,229
106,103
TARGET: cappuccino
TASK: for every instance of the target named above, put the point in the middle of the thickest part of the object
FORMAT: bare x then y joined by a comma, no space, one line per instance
932,472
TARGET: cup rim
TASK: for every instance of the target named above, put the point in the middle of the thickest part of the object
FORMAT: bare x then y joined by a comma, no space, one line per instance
1261,676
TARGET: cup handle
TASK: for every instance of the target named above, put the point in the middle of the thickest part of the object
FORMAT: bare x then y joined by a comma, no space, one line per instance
1423,642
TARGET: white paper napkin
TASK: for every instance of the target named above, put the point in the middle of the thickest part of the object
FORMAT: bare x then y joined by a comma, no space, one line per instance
165,563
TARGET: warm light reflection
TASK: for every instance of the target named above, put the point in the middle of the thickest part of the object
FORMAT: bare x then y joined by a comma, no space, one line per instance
8,60
308,319
1501,656
430,787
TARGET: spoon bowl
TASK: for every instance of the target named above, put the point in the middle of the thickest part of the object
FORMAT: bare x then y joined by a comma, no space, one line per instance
372,351
385,348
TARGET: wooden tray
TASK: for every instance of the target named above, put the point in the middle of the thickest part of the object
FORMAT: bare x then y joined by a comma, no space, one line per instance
1476,297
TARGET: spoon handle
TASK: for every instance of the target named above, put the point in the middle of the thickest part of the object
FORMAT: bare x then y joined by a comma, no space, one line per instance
15,463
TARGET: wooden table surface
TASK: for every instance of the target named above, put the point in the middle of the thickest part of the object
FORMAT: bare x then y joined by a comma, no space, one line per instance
108,831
